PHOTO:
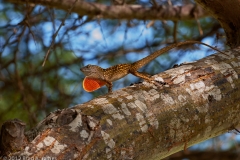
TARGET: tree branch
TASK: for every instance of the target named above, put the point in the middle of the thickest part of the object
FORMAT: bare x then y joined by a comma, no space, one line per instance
196,102
225,12
129,12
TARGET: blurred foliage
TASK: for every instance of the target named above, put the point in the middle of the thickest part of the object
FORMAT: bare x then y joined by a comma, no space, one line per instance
29,91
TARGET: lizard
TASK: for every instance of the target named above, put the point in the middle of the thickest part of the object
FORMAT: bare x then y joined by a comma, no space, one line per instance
96,76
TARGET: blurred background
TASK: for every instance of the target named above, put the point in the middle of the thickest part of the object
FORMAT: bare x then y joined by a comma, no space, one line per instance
30,91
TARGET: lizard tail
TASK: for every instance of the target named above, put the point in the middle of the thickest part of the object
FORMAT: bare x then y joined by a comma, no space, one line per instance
139,64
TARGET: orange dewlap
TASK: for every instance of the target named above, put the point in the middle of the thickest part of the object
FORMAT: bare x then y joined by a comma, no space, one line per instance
91,84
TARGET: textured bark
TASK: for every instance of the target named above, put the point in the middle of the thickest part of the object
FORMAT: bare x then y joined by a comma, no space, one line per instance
226,12
12,137
196,101
129,12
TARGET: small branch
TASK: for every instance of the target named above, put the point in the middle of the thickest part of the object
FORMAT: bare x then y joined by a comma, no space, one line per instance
55,35
175,31
198,23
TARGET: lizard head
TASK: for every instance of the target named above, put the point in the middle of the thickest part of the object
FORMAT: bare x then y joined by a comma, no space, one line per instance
92,71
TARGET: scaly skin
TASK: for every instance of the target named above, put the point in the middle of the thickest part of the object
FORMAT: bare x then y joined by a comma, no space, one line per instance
119,71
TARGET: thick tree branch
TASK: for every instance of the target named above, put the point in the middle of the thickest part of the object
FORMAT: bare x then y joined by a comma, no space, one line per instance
129,12
197,101
226,12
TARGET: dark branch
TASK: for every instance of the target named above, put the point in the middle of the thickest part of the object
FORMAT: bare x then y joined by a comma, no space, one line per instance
129,12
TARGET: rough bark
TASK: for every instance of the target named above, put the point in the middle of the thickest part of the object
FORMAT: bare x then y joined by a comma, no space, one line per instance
97,10
195,102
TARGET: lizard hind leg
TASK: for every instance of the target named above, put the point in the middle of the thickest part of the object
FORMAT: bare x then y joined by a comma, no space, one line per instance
146,77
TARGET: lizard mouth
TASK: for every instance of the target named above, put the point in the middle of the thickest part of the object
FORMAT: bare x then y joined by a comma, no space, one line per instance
85,70
88,72
82,69
91,71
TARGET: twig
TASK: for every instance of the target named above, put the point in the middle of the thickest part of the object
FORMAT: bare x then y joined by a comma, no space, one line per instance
55,34
175,31
195,14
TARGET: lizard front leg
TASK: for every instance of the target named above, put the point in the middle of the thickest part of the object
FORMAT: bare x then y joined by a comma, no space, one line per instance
109,86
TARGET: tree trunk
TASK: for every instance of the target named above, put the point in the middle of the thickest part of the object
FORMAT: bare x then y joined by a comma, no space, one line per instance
195,102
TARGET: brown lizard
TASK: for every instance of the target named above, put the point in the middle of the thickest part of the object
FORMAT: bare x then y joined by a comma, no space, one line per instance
97,76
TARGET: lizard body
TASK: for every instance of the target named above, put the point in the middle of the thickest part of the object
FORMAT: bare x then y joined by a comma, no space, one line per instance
98,76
